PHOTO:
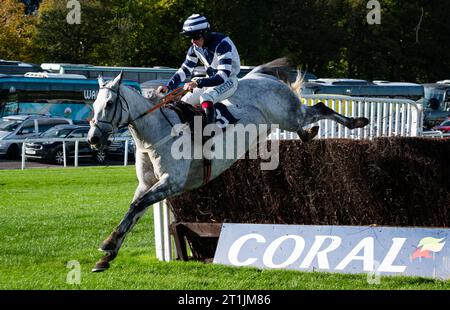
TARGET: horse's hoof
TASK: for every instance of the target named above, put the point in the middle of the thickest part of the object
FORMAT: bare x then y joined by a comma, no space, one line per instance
359,122
97,269
312,132
101,265
308,134
363,121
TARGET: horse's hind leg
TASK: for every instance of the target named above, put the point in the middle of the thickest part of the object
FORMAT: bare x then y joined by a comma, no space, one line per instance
320,111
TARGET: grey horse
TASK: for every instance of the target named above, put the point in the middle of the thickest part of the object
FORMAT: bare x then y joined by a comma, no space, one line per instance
261,98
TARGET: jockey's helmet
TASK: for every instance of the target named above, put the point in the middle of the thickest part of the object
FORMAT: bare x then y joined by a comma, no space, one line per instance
195,25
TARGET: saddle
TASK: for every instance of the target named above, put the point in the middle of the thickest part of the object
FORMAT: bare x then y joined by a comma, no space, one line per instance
187,113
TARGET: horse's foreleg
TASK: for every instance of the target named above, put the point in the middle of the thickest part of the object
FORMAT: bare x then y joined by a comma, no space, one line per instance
159,191
320,111
144,173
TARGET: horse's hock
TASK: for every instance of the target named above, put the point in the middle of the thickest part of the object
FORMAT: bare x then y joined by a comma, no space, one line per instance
385,181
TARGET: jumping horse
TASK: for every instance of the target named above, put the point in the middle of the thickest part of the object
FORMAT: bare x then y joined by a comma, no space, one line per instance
263,97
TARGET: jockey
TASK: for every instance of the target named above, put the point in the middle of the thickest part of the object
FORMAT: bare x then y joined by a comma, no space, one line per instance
220,57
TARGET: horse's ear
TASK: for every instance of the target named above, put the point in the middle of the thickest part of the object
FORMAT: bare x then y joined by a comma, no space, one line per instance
101,81
118,80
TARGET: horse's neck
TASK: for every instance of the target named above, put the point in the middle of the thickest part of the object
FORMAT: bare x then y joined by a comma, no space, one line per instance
137,104
146,127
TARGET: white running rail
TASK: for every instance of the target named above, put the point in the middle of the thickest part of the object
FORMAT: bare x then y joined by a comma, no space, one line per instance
388,117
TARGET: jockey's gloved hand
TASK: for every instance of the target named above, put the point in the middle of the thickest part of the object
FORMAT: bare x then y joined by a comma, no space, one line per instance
162,89
190,86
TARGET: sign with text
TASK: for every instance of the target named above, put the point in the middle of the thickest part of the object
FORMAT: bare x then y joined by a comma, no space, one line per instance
347,249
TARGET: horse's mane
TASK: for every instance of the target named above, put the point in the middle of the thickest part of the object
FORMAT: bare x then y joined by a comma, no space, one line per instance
153,95
281,68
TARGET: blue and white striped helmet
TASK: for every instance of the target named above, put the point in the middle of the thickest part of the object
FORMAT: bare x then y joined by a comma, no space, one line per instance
195,24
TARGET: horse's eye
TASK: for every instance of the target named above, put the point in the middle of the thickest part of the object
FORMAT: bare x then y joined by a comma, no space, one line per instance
109,103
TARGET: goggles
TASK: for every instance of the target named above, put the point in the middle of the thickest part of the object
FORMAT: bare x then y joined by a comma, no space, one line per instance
196,35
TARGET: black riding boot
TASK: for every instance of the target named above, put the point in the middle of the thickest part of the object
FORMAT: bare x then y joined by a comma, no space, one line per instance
208,107
210,116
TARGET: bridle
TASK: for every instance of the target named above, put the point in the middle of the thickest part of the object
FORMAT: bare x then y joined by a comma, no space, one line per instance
178,92
118,101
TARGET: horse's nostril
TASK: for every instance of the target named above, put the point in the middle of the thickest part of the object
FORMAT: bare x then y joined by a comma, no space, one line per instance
94,140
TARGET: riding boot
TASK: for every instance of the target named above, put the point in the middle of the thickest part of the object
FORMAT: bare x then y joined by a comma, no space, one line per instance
208,107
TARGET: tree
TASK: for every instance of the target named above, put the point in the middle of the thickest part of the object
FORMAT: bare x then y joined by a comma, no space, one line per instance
326,37
58,39
16,31
408,45
308,31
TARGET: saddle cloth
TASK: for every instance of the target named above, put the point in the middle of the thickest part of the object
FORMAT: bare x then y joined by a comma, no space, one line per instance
187,112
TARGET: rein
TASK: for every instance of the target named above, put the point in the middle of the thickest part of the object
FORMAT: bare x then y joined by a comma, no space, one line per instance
177,92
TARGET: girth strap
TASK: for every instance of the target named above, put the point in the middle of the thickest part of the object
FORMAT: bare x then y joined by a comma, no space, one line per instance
206,170
186,114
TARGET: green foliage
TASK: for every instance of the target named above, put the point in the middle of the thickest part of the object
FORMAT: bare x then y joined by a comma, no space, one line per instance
16,31
57,40
326,37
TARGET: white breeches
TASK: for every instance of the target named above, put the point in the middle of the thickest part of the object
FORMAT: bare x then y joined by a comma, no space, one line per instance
214,94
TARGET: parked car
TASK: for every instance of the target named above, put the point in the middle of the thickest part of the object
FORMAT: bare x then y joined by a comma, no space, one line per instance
21,127
444,126
53,151
117,148
436,103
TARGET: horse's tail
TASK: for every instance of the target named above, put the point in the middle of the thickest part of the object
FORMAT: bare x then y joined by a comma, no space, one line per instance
281,69
278,68
298,83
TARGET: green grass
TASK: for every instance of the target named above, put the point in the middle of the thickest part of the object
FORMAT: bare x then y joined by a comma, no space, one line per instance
51,217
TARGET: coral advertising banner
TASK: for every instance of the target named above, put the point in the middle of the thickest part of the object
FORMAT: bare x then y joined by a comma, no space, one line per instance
421,252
